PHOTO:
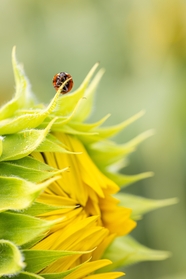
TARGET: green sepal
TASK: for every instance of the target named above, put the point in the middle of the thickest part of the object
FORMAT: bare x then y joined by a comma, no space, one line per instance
17,193
68,102
85,107
86,127
21,228
140,205
11,259
39,259
23,142
1,145
107,132
33,241
23,96
29,169
60,275
52,144
125,251
123,180
106,153
27,121
63,274
37,208
27,275
69,130
61,120
103,132
22,84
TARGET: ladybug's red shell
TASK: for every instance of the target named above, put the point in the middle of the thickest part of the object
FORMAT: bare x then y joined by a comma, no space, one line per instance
59,79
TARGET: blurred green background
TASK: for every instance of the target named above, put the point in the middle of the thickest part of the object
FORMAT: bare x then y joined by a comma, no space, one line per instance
142,46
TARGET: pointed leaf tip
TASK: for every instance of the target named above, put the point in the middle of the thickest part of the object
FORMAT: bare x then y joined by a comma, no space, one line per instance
141,205
126,250
14,52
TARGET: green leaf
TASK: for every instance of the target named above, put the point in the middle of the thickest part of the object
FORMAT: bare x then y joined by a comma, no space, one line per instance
33,241
107,132
1,145
69,130
19,145
23,96
125,251
31,163
85,127
22,83
104,132
61,120
17,194
68,102
85,107
140,205
28,168
38,259
21,228
11,258
123,180
52,144
63,274
60,275
106,153
27,275
27,120
40,208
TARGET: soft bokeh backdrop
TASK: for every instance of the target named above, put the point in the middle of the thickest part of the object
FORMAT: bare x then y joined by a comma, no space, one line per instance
142,46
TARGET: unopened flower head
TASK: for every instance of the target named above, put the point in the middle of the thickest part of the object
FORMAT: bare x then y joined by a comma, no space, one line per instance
61,214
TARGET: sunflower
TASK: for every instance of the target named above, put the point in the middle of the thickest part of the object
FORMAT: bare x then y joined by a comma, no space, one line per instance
61,213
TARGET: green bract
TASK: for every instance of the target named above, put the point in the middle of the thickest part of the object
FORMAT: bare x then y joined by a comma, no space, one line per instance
25,127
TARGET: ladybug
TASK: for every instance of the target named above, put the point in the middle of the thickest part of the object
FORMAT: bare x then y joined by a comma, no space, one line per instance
59,79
